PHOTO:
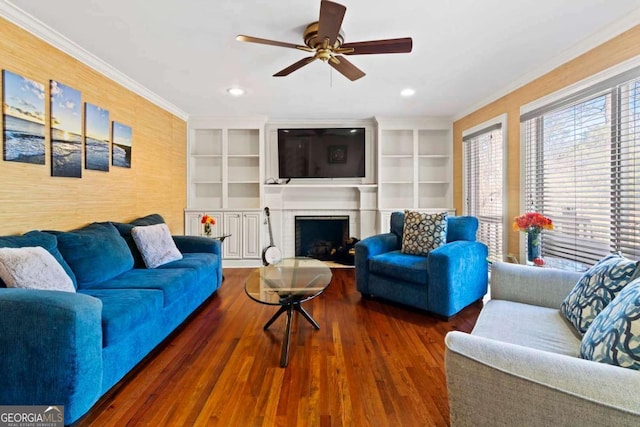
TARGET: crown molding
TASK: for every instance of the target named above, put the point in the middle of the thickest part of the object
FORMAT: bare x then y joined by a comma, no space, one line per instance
596,39
19,17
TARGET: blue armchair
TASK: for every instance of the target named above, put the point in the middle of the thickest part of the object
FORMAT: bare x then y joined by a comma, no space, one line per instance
447,280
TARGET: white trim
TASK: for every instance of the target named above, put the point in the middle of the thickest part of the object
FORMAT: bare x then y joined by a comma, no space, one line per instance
523,173
19,17
422,122
502,119
607,33
582,84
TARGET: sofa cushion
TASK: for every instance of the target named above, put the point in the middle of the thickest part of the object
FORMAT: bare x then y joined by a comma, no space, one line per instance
124,310
410,268
202,263
461,228
125,231
96,253
174,283
33,268
614,335
527,325
423,232
38,238
155,244
596,289
397,224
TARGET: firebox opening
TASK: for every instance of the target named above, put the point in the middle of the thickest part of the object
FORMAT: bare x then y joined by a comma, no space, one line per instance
321,237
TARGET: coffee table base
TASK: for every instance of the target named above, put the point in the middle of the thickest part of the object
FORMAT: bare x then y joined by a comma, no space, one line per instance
289,309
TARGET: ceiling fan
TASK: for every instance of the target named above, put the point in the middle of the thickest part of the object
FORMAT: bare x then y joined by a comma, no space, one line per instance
325,40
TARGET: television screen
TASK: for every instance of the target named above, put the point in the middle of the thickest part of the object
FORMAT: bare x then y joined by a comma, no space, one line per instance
321,153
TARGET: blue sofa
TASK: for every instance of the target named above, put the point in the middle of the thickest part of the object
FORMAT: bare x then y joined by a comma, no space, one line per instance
447,280
61,348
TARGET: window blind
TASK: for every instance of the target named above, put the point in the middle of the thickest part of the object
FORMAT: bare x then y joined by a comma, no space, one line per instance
484,185
581,170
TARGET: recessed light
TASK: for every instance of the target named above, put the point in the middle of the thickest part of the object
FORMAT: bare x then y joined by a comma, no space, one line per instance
407,92
235,91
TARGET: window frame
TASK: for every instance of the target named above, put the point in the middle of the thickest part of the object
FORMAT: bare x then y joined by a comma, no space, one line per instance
502,121
568,94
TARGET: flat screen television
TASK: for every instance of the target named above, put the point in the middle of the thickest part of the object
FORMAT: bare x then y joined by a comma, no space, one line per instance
321,153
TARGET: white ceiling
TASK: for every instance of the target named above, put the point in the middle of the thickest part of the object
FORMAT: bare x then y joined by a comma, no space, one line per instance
465,52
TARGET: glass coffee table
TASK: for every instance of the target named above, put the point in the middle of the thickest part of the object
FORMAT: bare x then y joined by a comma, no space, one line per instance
288,284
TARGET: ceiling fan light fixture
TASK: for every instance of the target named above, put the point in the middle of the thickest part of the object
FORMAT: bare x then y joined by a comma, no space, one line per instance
407,92
235,91
325,39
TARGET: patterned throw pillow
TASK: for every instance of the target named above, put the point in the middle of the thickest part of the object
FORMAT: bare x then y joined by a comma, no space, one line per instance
423,232
596,289
614,335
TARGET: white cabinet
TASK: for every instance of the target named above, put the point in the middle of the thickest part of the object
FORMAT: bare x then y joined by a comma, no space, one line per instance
414,166
232,246
225,180
194,226
251,242
242,228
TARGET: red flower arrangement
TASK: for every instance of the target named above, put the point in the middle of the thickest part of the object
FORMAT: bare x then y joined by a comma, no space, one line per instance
532,221
208,221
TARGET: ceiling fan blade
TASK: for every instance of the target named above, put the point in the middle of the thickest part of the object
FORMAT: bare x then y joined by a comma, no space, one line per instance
295,66
403,45
347,69
250,39
331,16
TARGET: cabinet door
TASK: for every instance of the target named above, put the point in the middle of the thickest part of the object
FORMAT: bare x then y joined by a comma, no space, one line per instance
192,224
251,247
232,246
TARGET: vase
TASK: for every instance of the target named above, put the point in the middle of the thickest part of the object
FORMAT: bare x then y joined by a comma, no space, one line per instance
533,245
207,229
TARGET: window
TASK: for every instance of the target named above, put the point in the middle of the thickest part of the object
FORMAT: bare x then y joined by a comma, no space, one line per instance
484,183
582,169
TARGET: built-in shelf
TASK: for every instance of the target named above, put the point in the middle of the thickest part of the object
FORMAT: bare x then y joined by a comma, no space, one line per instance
414,167
206,156
320,186
225,175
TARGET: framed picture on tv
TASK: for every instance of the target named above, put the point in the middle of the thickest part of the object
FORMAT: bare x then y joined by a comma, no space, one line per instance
337,154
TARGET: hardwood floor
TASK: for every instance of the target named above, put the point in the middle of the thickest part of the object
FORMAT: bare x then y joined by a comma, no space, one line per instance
371,363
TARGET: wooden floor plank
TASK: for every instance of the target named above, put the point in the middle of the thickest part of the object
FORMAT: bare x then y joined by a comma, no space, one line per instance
372,363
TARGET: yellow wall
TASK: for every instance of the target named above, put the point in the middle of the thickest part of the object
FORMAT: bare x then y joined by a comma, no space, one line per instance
610,53
30,198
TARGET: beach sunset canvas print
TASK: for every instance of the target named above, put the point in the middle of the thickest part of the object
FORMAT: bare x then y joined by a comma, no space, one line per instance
66,131
121,145
23,117
96,139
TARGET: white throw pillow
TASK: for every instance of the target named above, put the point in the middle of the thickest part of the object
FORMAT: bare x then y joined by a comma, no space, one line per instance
33,268
155,244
